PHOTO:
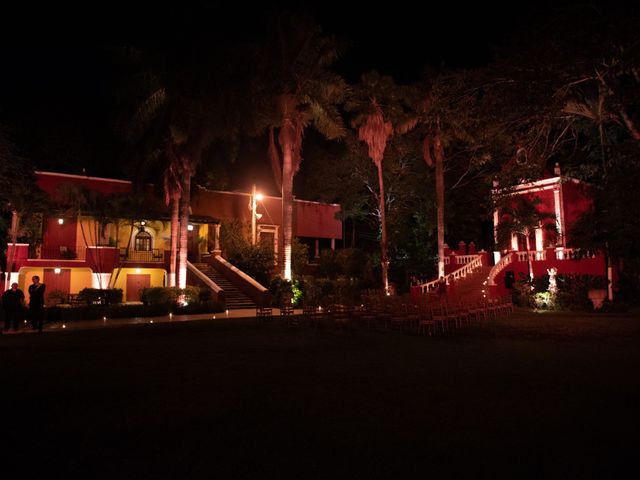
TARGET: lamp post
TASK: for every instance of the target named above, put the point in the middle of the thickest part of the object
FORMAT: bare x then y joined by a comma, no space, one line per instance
255,198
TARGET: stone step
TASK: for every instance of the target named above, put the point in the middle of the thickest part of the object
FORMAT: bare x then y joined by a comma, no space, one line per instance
234,297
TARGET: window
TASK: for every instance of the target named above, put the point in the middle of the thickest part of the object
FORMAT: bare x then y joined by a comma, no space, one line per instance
143,242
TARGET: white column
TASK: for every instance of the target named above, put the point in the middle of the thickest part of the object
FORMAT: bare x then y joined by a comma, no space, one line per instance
559,219
514,242
539,241
100,280
216,244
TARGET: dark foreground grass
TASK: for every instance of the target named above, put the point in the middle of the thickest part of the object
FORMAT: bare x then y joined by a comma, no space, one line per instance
537,396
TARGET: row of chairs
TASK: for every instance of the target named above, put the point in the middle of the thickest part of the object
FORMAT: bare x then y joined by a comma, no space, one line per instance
429,316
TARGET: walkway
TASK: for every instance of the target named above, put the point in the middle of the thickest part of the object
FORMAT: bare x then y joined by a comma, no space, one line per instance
119,322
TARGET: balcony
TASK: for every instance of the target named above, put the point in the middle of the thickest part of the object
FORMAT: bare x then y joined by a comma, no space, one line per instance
142,256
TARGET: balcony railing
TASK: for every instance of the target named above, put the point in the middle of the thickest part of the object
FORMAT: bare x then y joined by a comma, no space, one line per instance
61,252
147,256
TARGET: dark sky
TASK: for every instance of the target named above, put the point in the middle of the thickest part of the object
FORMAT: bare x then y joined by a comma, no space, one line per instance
57,76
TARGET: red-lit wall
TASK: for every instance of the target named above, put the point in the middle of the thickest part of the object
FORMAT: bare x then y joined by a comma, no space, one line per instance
50,183
55,235
311,219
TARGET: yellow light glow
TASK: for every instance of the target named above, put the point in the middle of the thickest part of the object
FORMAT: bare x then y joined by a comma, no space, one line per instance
60,221
57,271
138,270
259,197
64,326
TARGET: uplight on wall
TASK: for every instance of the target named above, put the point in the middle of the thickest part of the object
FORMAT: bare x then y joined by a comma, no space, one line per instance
60,221
138,270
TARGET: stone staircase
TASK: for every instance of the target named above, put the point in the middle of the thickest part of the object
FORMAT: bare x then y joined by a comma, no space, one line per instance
471,286
235,299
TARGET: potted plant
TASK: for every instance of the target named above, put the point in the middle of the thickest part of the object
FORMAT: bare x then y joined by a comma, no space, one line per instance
597,290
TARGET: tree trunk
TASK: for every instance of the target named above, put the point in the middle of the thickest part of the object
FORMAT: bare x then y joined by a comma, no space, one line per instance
175,225
529,262
114,280
287,210
185,205
439,157
353,233
384,256
15,225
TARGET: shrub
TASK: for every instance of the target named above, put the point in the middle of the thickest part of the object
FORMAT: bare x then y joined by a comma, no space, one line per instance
105,296
94,312
169,296
56,297
328,265
299,256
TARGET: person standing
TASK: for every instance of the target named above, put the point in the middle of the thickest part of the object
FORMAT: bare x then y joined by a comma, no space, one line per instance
36,303
12,304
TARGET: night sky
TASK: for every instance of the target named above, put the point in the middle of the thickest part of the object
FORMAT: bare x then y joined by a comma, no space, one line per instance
56,89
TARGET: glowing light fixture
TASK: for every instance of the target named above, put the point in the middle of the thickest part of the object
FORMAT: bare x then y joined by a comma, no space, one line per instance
190,227
143,223
60,221
138,270
259,197
57,271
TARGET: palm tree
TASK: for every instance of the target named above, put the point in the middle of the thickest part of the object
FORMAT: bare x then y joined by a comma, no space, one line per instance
377,105
442,116
19,193
293,90
522,217
187,101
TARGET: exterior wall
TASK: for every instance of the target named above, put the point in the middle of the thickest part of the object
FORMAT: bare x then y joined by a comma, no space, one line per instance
160,233
56,235
158,276
24,278
584,266
311,219
51,182
80,277
317,220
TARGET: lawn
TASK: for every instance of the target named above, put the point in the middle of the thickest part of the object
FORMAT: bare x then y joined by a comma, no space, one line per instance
537,395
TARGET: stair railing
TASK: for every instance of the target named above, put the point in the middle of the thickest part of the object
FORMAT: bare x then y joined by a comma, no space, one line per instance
219,292
498,267
466,269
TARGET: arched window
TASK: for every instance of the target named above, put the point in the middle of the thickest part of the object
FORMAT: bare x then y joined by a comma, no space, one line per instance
143,242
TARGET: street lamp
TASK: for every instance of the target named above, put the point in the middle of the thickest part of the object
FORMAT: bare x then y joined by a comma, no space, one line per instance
255,198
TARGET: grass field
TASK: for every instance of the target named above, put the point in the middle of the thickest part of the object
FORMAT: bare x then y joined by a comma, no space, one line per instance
534,396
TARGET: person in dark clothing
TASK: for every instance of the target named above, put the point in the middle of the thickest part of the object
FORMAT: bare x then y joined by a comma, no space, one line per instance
12,304
36,303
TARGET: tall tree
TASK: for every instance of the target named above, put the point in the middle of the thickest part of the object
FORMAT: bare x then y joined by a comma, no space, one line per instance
19,193
294,89
376,105
185,99
443,116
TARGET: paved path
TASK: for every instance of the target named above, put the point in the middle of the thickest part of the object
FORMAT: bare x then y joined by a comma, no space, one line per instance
118,322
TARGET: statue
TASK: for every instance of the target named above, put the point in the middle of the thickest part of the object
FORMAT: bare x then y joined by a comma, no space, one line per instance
553,286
